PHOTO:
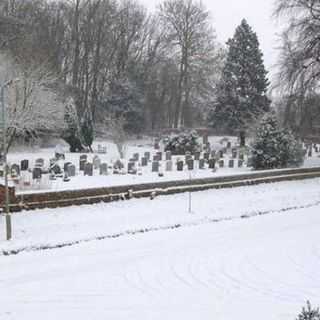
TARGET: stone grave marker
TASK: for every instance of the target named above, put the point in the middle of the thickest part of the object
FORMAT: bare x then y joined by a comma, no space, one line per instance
82,162
221,163
168,155
96,162
180,165
250,162
231,163
71,169
15,170
155,166
201,163
65,166
221,153
234,153
190,164
132,167
159,154
144,161
157,144
103,169
136,156
88,169
169,165
24,165
36,173
212,163
147,155
39,162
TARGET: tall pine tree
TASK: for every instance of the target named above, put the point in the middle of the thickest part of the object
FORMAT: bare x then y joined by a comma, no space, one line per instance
242,94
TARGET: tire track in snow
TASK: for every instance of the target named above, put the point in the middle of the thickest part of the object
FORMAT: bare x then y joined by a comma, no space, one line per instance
203,221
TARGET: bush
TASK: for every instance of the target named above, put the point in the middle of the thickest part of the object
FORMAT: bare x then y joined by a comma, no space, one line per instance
275,147
309,313
182,143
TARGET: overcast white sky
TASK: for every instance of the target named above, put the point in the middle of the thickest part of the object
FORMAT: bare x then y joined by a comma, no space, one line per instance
227,15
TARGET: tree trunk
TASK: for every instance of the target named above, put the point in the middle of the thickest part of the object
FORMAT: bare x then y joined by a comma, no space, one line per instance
242,138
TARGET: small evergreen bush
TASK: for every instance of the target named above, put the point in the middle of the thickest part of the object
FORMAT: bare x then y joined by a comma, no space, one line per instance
275,147
182,143
309,313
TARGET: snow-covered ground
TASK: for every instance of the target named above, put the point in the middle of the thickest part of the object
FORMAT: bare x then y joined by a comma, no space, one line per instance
183,266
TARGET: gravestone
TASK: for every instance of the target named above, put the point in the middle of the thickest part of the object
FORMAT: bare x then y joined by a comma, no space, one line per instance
157,144
250,162
168,155
118,165
88,169
132,168
155,166
197,155
36,173
147,155
96,162
169,165
136,156
39,162
190,164
201,163
221,163
212,163
231,163
159,154
82,162
234,153
221,153
180,165
15,170
155,158
144,161
71,169
24,165
103,169
65,166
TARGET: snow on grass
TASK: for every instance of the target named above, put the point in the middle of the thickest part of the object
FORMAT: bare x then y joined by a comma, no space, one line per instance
51,227
264,267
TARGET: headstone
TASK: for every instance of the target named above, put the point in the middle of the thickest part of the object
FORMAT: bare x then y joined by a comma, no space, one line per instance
82,162
250,162
231,163
180,165
168,155
118,165
159,154
221,163
144,161
147,155
39,162
96,162
212,163
201,163
240,163
169,165
71,169
234,153
24,165
103,169
155,158
65,166
190,164
197,155
15,170
136,156
155,166
88,169
36,173
132,168
157,144
221,153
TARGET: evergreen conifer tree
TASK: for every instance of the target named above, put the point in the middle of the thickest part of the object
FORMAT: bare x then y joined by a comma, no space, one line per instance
242,94
309,313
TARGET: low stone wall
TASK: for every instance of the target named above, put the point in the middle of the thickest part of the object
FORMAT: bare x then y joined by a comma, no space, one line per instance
96,195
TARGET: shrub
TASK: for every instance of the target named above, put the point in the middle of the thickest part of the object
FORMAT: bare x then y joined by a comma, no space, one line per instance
275,147
308,313
182,143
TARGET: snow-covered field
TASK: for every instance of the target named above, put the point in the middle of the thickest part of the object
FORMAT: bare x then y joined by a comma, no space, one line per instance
243,253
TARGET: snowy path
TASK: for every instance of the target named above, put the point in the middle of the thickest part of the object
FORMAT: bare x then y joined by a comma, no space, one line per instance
264,267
